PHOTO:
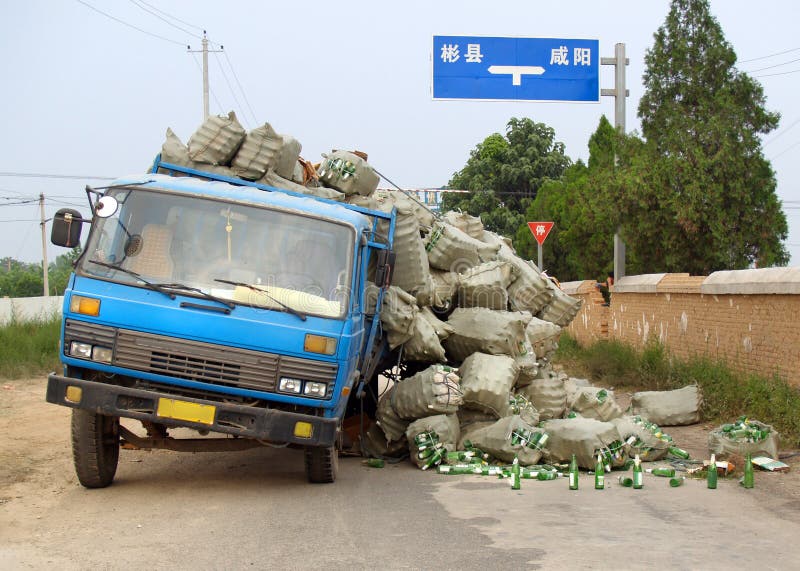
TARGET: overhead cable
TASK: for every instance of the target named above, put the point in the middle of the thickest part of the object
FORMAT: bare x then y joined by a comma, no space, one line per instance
768,56
148,10
124,23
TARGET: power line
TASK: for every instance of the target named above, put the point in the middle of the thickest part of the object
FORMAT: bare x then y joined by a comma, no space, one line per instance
773,66
124,23
782,132
171,16
230,87
786,150
148,10
214,95
233,71
769,56
774,74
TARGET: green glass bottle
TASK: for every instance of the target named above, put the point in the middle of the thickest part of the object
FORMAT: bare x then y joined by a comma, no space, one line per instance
626,482
678,452
515,474
711,476
663,472
675,482
638,476
599,474
749,478
375,462
573,473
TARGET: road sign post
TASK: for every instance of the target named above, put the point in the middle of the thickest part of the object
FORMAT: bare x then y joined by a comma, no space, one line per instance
540,230
520,69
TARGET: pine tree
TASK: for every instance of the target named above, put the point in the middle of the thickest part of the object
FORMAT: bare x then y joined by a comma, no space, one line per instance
702,196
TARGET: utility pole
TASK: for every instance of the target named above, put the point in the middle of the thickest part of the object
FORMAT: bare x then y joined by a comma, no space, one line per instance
205,52
619,93
44,246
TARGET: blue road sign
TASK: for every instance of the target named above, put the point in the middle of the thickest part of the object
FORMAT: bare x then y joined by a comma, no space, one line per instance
531,69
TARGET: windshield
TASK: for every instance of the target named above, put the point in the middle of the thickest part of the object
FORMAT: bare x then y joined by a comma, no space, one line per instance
266,258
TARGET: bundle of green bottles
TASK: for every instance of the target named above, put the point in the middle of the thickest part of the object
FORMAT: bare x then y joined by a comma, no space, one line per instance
744,430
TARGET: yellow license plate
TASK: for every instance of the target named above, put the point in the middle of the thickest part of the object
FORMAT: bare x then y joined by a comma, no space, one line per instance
189,411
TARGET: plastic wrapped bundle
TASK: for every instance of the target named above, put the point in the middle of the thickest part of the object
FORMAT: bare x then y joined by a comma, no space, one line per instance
562,309
349,173
217,140
528,367
543,337
412,271
487,331
390,422
271,178
471,225
508,437
485,285
259,152
450,249
648,447
397,315
548,395
446,429
378,445
572,385
583,437
486,382
744,437
433,391
173,151
288,155
521,406
669,408
442,328
424,344
530,291
445,285
597,403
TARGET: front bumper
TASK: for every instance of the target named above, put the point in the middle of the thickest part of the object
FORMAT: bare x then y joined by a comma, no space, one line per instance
260,423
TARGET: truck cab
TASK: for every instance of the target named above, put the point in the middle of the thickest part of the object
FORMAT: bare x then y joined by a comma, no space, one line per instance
222,306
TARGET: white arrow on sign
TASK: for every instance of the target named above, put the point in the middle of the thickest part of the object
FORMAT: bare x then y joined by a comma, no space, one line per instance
516,71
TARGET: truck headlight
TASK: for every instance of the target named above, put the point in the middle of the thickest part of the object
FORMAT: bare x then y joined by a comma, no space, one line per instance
102,354
287,385
317,390
81,350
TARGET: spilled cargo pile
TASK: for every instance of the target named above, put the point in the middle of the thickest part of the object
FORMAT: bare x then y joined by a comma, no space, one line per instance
474,327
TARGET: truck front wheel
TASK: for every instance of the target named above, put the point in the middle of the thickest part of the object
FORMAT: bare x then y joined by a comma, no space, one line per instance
322,464
95,447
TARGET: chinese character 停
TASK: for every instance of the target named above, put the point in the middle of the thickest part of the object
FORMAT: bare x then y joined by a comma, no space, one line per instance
539,229
559,56
450,53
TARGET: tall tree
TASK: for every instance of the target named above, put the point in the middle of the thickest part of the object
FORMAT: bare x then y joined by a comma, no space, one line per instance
504,173
702,175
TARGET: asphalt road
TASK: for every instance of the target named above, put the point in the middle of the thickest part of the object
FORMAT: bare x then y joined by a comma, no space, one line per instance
254,509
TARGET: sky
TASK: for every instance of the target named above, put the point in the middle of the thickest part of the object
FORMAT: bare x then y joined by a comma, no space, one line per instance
86,94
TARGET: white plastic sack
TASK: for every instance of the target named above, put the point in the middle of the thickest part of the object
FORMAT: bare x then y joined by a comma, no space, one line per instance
721,444
647,446
173,151
433,391
669,408
271,178
487,331
486,382
543,337
485,285
496,439
349,173
548,395
562,309
579,436
452,250
445,427
387,418
259,152
398,314
471,225
597,403
217,140
287,156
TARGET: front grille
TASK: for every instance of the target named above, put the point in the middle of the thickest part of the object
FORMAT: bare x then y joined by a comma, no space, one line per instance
197,361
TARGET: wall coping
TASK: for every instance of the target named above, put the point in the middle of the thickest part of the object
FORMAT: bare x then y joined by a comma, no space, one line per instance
577,287
645,283
756,281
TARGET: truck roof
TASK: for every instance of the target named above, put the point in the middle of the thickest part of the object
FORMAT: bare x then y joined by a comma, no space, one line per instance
223,190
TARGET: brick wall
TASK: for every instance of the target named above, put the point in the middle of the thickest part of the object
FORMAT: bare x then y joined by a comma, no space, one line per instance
753,329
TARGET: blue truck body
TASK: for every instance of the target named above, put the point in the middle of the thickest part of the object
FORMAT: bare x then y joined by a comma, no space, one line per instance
246,357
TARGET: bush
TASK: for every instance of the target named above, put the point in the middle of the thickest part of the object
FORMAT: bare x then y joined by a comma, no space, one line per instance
29,348
727,393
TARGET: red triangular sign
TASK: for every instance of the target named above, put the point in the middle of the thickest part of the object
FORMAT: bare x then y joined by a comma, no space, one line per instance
540,230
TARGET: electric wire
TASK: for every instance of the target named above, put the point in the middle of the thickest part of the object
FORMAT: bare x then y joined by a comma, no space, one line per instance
51,175
244,94
774,74
773,66
786,150
147,9
184,22
124,23
769,56
782,132
225,75
200,67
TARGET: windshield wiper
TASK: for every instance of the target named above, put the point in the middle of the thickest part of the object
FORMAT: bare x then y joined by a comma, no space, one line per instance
151,285
184,287
290,309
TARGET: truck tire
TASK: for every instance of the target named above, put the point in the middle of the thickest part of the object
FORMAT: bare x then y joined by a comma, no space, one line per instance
95,447
322,464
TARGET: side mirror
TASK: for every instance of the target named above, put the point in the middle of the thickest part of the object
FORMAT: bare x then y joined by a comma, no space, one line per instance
385,267
106,206
66,230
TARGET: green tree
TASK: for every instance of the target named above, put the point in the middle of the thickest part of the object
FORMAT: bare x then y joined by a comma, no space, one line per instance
60,270
699,195
504,173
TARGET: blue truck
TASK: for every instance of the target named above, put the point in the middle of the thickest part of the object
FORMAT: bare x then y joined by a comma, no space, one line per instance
220,305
